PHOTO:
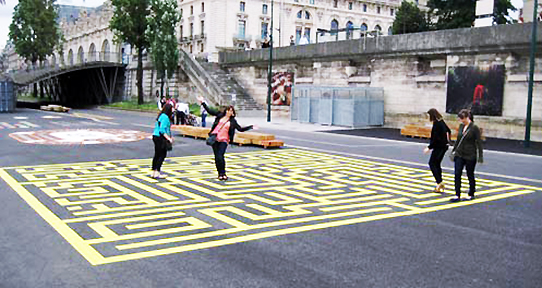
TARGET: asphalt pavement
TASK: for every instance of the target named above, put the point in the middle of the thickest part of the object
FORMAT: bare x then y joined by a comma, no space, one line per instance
492,242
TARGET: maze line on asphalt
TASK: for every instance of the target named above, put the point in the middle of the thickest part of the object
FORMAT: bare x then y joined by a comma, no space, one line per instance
113,211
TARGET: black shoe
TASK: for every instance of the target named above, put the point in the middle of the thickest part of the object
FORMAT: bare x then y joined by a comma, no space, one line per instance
455,199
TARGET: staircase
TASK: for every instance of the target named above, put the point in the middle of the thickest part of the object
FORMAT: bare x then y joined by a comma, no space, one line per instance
218,84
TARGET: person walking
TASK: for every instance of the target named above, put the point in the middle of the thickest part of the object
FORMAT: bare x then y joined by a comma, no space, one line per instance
224,130
438,144
203,116
468,150
162,139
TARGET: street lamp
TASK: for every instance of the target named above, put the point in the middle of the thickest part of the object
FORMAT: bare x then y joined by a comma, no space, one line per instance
270,68
527,142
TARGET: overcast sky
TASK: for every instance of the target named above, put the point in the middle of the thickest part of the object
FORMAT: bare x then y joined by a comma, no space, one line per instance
6,12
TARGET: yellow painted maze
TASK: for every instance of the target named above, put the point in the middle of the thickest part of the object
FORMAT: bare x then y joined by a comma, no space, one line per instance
113,211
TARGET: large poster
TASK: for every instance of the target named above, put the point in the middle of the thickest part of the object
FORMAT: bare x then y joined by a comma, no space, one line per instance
281,88
478,89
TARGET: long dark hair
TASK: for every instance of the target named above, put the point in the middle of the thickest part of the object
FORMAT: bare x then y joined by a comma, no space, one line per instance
434,115
226,108
166,109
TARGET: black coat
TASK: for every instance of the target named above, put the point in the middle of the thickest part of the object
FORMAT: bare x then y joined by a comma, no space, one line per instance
471,147
439,135
233,123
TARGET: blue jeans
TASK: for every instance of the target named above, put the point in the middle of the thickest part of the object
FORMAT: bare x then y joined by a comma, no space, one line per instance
470,165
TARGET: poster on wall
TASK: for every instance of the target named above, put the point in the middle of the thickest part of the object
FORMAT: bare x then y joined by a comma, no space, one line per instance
479,89
281,88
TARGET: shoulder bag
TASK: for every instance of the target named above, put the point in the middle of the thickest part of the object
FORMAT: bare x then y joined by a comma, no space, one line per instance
212,137
452,153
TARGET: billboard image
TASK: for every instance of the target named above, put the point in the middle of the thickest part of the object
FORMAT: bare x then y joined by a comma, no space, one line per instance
281,88
479,89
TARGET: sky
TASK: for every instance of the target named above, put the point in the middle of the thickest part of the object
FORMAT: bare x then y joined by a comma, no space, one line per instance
6,12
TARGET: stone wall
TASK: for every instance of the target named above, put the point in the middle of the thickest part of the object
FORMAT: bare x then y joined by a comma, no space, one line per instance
413,75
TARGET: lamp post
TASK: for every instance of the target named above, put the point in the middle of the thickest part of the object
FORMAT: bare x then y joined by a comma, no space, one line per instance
270,68
527,142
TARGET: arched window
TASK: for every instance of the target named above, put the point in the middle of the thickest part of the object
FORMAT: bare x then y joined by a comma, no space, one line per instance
390,31
92,52
299,14
334,27
378,29
105,51
363,29
307,15
264,9
80,55
349,30
70,57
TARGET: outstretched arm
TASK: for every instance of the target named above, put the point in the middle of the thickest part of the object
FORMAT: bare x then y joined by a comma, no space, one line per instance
207,108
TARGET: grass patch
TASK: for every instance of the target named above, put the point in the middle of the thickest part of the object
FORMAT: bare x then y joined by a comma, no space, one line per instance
132,105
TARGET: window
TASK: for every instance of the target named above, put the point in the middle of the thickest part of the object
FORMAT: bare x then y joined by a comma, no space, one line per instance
391,11
242,26
308,34
181,13
242,6
264,9
364,7
335,3
307,15
202,27
390,31
264,30
349,30
202,7
202,46
334,27
299,14
378,10
312,2
350,5
191,10
191,29
378,29
181,32
363,29
297,35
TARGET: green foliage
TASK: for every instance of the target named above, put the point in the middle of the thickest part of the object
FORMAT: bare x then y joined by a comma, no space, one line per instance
129,23
451,14
33,30
161,34
133,105
409,19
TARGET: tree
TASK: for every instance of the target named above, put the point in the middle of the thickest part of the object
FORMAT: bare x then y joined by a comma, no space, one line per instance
163,42
129,23
34,30
451,14
500,12
409,19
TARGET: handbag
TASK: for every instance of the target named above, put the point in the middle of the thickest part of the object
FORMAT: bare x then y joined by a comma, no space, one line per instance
211,139
452,153
168,144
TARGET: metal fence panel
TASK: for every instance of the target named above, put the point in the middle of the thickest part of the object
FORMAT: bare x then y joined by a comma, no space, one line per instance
314,109
8,99
304,109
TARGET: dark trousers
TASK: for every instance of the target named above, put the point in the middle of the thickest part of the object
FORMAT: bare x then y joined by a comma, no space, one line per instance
470,165
434,163
203,116
160,152
219,148
180,115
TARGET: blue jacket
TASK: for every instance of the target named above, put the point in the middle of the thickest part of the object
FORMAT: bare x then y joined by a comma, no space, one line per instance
162,126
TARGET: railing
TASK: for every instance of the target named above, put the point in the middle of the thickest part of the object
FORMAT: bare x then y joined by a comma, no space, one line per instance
54,65
200,77
345,34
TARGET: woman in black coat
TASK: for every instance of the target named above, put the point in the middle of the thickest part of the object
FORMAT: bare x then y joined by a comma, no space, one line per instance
224,127
440,136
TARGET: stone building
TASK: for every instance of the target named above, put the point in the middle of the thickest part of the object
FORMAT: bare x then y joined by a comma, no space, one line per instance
210,26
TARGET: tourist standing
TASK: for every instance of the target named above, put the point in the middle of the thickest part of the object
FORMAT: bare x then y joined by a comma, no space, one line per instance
468,150
203,116
162,139
224,130
438,144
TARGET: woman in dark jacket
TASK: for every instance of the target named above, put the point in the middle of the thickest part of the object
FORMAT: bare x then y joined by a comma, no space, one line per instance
468,150
440,136
224,127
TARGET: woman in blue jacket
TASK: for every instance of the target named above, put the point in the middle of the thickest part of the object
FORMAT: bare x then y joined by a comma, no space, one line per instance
161,136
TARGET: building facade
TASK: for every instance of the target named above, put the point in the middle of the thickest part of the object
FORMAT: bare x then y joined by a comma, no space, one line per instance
210,26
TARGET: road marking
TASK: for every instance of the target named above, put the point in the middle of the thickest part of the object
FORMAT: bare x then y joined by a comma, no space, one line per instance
51,117
123,214
412,163
20,117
